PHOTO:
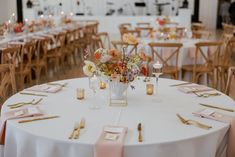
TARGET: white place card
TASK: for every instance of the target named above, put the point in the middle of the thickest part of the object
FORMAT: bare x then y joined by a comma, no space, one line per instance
116,130
19,113
207,112
111,137
33,110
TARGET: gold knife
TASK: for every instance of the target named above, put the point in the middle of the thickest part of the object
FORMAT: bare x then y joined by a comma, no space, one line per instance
181,84
139,128
37,119
24,93
216,107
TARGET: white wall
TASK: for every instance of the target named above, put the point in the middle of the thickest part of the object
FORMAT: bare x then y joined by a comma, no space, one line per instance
208,13
7,7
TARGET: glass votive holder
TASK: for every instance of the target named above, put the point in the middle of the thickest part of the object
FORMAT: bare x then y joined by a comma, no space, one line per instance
102,85
149,89
80,93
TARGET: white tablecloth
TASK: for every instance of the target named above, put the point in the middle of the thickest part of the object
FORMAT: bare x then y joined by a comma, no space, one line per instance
164,135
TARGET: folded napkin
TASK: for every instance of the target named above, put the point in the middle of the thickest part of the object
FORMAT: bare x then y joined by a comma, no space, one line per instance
194,88
45,88
16,114
110,143
211,114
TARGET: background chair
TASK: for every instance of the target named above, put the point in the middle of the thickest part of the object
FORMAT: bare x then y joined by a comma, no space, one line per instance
205,59
169,55
7,82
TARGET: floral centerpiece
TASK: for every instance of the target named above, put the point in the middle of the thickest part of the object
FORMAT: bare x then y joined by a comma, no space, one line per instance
114,65
119,68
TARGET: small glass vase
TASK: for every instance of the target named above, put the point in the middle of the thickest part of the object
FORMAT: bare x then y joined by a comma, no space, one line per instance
118,93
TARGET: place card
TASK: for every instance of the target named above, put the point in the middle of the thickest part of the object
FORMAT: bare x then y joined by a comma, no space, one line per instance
111,137
19,113
207,112
33,110
116,130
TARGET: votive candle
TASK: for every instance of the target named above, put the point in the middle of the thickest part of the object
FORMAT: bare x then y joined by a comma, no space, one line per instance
80,93
149,89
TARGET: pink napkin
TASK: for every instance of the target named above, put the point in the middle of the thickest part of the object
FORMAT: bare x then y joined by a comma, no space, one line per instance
210,114
194,88
110,143
45,88
16,114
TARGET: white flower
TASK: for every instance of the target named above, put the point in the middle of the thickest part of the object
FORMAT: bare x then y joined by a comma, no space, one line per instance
89,68
105,58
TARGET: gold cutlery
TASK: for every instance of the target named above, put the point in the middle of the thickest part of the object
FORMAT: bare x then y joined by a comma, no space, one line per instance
58,84
82,123
77,131
206,95
21,103
76,126
216,107
193,122
37,119
139,128
181,84
24,104
24,93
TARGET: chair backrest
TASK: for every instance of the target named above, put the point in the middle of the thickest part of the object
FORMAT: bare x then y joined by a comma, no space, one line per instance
197,26
26,54
129,48
228,28
231,74
7,82
202,34
11,55
165,57
145,31
41,51
134,32
228,56
207,54
105,40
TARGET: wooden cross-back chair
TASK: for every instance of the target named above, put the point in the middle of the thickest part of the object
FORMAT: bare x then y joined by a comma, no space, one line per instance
231,75
205,59
197,26
129,48
167,57
26,54
56,54
226,60
11,55
105,40
39,61
228,28
201,34
134,32
7,82
145,31
69,49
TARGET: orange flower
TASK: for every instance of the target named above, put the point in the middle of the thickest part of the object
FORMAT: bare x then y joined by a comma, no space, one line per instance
144,71
97,55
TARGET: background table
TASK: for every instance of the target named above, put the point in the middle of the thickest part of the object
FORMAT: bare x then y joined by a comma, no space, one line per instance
164,135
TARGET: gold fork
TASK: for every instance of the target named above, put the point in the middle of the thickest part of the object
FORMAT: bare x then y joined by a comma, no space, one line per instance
193,122
24,104
21,103
76,127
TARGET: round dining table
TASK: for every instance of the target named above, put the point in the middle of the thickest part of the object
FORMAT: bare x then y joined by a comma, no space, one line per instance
164,135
